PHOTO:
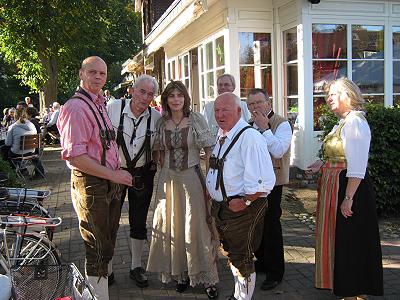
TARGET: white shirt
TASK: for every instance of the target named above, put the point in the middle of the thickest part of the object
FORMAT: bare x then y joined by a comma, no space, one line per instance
356,137
247,167
114,110
209,115
53,118
278,143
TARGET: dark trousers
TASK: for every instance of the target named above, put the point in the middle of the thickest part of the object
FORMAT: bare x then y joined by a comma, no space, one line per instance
270,256
139,197
97,204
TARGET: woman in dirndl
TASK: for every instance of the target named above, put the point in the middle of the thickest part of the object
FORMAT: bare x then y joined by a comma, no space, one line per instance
183,246
348,258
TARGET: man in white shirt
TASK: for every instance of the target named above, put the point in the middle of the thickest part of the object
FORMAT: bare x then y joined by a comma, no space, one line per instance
239,179
278,134
52,134
225,83
134,124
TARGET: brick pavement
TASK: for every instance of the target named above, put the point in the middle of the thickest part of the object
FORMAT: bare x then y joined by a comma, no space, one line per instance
298,240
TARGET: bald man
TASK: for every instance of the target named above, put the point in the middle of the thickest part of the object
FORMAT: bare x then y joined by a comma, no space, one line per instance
239,179
89,147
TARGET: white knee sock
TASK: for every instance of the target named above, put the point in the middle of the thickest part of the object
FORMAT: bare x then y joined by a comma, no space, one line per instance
110,267
235,277
100,287
246,287
137,249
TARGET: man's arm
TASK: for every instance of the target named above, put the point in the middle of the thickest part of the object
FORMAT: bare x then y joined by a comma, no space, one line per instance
279,143
87,165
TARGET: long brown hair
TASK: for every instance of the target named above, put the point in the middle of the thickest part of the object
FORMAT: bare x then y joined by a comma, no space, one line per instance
175,85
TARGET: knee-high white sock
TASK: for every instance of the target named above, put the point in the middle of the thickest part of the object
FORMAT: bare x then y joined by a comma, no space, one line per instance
137,249
100,287
110,267
246,287
235,277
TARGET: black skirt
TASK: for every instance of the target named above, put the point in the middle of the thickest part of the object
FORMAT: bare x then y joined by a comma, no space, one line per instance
358,256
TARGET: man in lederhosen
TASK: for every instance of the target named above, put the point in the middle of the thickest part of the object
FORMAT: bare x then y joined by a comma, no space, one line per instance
89,147
134,123
239,179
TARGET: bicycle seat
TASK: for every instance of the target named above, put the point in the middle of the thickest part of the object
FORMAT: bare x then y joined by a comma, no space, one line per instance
4,194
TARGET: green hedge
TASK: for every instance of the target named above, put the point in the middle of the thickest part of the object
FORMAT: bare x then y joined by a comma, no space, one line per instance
384,154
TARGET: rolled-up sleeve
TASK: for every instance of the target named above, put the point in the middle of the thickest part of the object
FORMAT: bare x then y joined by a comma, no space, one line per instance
75,130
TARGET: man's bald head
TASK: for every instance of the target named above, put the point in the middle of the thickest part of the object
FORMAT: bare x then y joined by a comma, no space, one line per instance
93,74
227,110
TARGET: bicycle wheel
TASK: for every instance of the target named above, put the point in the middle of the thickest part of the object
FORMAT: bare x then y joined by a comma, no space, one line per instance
31,251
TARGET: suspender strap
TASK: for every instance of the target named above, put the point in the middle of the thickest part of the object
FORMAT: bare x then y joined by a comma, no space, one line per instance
103,134
220,175
130,164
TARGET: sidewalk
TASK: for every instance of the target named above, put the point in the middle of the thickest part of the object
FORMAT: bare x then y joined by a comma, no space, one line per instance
298,240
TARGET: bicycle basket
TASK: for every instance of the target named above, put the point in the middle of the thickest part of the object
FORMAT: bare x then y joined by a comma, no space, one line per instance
49,282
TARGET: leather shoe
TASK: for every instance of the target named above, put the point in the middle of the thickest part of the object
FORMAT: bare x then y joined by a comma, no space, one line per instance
269,284
139,276
231,297
111,279
182,286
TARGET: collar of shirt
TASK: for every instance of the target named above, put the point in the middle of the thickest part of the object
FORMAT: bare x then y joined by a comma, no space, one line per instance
97,99
231,133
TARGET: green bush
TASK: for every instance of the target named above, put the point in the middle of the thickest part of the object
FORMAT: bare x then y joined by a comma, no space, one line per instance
13,180
384,154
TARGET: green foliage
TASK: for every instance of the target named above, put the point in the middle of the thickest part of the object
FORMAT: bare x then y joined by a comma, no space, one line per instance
384,154
13,180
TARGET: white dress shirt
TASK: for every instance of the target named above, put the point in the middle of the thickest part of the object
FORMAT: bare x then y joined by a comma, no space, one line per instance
356,137
247,167
114,110
278,142
53,118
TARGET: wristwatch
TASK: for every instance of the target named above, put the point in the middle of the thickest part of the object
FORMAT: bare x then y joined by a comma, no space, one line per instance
246,201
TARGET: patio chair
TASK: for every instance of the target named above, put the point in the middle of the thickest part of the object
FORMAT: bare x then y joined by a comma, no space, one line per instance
27,164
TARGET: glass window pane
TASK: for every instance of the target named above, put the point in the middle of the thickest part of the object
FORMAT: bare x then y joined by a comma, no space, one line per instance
377,99
220,72
266,79
325,71
369,76
169,71
210,85
201,59
367,41
173,70
396,42
291,80
292,108
209,56
329,41
246,80
186,65
290,44
219,51
320,108
202,86
254,48
186,83
396,77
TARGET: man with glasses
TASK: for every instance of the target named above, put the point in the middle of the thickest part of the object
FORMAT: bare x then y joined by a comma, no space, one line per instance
89,147
134,123
277,132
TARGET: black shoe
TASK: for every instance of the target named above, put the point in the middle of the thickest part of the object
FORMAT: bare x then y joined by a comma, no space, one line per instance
139,276
211,291
182,286
231,297
269,284
111,279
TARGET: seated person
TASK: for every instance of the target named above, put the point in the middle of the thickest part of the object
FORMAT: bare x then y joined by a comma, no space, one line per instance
32,113
52,134
21,127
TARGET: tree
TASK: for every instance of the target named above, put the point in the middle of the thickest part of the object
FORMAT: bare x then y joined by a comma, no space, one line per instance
47,39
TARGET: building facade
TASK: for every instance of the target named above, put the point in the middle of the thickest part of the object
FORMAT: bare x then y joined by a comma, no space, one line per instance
289,47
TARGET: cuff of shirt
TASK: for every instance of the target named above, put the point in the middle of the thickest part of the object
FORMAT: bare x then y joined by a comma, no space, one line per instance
356,175
73,151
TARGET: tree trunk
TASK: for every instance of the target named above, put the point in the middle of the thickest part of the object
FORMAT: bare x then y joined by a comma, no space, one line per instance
48,94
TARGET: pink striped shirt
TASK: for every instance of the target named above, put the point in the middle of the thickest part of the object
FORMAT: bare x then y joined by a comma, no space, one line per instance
79,132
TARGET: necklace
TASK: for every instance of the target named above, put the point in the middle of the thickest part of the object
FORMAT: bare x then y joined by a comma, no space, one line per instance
177,124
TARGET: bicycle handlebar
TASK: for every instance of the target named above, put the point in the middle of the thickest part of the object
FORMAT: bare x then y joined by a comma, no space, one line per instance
18,220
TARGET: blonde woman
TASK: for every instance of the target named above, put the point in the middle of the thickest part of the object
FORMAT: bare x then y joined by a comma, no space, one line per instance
348,252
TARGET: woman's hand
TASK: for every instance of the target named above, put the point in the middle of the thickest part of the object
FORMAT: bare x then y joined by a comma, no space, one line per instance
237,204
345,208
314,168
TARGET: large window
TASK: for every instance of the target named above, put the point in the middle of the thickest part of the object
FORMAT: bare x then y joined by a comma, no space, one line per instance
331,60
255,62
171,69
396,65
212,65
184,70
290,69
